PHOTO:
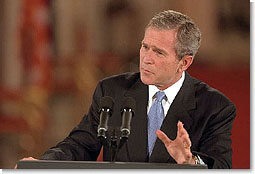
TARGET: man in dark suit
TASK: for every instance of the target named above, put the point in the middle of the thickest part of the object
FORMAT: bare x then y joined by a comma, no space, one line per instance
197,120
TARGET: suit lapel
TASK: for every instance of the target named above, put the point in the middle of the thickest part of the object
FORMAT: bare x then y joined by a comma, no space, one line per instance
179,110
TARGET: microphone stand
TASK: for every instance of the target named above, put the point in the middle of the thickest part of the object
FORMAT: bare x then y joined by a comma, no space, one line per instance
115,145
124,130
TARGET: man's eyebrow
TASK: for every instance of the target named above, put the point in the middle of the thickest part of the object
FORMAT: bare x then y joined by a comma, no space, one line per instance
159,49
155,48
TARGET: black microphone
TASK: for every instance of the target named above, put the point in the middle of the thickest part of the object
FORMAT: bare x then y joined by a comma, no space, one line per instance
127,111
106,106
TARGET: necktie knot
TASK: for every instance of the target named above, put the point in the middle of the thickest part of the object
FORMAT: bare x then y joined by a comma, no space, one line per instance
160,95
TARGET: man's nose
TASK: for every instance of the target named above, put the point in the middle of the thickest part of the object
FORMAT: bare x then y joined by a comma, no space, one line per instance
147,57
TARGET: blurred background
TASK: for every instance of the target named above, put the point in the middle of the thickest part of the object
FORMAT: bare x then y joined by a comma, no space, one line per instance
53,52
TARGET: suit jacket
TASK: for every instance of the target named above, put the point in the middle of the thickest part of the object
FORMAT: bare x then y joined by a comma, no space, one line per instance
206,113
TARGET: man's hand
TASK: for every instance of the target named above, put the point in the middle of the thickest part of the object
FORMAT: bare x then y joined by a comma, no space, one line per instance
179,148
27,158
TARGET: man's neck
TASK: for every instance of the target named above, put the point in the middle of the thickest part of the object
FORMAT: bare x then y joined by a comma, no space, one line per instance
174,81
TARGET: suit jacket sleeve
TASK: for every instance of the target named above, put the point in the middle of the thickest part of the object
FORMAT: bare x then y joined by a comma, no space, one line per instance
82,142
215,147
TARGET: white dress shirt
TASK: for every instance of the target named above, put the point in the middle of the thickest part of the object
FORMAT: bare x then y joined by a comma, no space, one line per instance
170,92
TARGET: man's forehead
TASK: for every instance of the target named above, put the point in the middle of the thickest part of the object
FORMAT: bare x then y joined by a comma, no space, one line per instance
156,36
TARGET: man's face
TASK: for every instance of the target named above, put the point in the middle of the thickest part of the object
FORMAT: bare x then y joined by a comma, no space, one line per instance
159,64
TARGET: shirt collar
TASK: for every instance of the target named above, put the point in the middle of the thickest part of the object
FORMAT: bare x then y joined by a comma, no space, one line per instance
170,92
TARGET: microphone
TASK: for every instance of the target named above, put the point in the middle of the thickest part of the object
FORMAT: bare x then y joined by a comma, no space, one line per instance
127,111
106,106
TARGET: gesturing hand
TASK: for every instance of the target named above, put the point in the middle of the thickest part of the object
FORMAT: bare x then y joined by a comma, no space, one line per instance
179,148
27,158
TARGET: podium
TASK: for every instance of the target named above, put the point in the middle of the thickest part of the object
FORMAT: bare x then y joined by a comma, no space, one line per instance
54,164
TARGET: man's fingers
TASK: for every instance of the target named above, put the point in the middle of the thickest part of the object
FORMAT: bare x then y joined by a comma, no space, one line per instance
179,127
181,130
186,143
27,158
163,137
183,134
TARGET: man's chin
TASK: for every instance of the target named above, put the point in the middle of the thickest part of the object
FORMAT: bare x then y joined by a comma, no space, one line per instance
146,80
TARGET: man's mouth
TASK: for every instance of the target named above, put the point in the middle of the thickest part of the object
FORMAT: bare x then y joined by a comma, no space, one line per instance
146,71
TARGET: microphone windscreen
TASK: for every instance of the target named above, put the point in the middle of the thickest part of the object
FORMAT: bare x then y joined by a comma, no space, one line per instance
129,103
107,102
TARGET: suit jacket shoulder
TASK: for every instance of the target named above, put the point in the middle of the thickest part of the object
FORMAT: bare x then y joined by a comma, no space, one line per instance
122,81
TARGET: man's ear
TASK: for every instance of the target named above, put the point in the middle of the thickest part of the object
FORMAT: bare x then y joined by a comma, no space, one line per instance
185,62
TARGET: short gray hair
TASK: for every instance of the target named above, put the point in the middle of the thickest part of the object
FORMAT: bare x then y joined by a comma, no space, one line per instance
188,36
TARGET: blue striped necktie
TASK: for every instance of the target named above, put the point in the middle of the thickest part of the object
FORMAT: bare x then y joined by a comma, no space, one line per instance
155,119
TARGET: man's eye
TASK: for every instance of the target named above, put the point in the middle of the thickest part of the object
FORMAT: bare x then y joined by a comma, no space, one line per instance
159,52
145,46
